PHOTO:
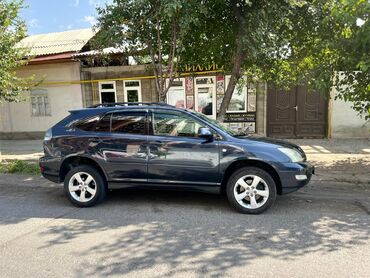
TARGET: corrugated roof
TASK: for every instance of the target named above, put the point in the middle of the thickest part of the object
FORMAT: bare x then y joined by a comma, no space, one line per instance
60,42
108,50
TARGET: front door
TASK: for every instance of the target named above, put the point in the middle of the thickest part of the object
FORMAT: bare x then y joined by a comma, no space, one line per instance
177,155
296,113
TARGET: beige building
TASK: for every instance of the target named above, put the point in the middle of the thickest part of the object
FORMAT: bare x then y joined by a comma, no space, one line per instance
49,102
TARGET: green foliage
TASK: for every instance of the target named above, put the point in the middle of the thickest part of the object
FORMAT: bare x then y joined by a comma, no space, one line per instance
12,30
334,52
153,29
290,43
19,166
285,42
351,42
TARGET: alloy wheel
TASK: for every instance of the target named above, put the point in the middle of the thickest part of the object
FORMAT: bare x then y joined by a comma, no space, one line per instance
82,187
251,191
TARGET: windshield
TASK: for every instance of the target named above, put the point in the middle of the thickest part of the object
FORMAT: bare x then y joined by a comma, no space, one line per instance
219,125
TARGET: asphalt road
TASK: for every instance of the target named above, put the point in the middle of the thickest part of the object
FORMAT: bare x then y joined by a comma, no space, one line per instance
321,230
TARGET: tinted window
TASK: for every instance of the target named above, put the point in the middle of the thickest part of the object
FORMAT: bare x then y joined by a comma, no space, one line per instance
104,124
95,124
129,122
88,124
168,124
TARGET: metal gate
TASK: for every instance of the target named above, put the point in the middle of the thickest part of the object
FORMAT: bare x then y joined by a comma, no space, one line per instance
296,113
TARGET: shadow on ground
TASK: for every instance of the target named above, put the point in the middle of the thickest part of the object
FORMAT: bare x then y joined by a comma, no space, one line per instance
137,230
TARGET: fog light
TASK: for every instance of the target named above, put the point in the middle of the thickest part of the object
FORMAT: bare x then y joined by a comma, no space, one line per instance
301,177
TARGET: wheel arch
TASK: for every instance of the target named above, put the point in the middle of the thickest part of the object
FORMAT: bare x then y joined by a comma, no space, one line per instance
73,161
252,163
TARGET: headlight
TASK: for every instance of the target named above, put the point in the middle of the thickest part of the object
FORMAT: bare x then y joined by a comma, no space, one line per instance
293,154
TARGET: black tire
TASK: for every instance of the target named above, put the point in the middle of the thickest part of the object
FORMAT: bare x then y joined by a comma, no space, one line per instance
268,181
99,184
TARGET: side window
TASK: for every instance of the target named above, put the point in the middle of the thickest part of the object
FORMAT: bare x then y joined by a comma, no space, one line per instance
88,124
168,124
129,122
95,124
104,124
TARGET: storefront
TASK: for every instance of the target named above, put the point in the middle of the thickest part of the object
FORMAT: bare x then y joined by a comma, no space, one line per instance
204,94
200,91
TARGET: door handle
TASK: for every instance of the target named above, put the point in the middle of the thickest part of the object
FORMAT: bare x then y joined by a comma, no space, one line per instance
296,108
152,155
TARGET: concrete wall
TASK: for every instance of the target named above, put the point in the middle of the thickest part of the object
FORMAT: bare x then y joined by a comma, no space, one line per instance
345,122
16,120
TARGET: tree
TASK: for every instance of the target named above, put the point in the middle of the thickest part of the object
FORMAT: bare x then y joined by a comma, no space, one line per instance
153,28
12,31
289,43
344,44
334,51
258,35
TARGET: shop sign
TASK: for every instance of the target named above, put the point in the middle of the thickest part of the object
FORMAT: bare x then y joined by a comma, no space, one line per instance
240,117
199,68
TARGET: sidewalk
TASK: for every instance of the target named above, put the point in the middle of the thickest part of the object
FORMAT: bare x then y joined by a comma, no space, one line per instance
29,150
342,160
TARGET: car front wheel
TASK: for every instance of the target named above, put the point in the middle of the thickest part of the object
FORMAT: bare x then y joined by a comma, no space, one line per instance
251,190
85,186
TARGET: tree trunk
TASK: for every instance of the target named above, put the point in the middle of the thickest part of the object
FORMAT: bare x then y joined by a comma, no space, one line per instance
236,73
237,61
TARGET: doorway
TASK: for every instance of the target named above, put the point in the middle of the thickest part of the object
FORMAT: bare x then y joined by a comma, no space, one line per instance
205,96
297,113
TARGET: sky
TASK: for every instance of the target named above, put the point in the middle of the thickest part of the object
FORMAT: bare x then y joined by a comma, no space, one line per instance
46,16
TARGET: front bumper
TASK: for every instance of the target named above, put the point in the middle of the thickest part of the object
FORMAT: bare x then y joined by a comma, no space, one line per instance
295,175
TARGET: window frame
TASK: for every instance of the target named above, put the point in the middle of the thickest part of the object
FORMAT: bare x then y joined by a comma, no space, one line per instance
162,111
245,90
101,90
126,88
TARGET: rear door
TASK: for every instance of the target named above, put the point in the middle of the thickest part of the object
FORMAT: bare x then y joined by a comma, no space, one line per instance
177,155
125,149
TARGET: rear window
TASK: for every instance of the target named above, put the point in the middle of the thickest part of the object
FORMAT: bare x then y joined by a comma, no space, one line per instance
133,122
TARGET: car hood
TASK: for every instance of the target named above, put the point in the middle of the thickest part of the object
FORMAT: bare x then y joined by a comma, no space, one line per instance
269,142
279,143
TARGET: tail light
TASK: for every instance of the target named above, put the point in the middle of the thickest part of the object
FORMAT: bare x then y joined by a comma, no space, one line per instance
48,135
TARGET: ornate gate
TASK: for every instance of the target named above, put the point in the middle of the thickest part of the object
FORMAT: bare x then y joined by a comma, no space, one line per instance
296,113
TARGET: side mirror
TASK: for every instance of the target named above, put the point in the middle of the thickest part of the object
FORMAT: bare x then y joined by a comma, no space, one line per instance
206,133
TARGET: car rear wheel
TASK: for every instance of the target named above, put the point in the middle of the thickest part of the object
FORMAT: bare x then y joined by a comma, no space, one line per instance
85,186
251,190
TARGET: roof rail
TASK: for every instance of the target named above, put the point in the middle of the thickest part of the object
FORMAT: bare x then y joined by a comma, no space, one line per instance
112,104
